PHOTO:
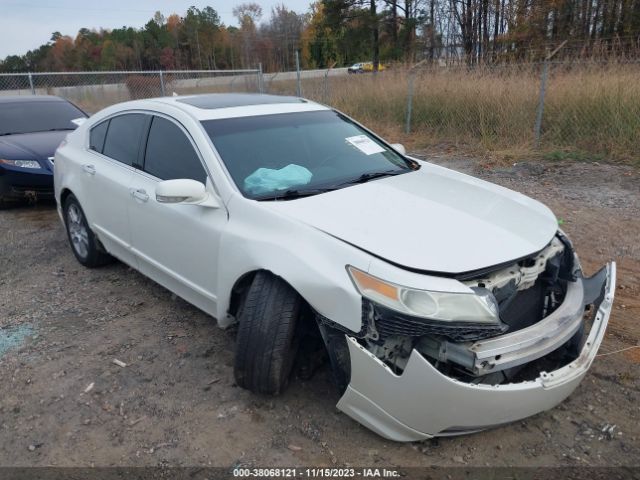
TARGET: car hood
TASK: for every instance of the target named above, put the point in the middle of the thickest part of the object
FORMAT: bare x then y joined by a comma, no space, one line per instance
434,219
31,146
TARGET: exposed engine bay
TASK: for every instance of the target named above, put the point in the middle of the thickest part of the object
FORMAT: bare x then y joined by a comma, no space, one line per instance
538,330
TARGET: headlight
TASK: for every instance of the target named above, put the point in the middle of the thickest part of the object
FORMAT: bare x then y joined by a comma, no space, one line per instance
21,163
477,307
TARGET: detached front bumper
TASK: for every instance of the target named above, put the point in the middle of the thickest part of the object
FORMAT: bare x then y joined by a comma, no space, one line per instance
422,402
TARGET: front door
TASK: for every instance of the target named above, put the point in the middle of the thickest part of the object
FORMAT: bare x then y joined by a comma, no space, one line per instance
176,245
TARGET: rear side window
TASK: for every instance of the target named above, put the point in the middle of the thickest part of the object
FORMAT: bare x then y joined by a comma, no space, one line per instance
97,136
123,137
170,154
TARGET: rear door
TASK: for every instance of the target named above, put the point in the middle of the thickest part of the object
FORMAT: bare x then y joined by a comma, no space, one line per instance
115,146
177,245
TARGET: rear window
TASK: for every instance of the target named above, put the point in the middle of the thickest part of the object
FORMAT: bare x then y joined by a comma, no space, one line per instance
29,117
123,137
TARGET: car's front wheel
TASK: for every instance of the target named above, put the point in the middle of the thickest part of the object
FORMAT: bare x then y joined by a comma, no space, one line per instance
267,342
84,244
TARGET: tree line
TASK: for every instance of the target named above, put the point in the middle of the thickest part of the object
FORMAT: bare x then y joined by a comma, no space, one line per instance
341,32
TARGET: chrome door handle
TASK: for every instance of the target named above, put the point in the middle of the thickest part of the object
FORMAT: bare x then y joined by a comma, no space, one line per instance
140,194
90,169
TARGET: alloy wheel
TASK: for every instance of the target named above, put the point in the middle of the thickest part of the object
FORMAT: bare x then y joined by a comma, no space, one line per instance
77,231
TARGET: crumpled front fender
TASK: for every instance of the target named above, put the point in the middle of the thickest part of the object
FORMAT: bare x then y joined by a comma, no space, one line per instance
422,402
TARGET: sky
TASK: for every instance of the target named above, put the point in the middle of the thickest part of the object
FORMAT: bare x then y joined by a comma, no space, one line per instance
27,24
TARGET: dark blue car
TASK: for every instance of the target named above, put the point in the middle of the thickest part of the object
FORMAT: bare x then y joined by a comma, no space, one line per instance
31,128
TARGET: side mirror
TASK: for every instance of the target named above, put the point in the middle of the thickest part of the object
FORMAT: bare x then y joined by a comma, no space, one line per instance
400,148
185,191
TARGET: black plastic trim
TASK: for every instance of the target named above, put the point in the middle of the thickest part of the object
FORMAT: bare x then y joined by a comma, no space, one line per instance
462,276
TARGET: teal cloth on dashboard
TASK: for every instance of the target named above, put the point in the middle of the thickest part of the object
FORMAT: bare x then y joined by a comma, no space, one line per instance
265,180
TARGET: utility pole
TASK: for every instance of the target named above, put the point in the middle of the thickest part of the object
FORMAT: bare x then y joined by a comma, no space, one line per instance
375,34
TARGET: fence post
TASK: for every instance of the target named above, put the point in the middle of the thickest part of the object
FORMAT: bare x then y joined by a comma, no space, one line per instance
298,86
260,79
325,93
33,89
325,90
407,128
412,74
543,90
162,91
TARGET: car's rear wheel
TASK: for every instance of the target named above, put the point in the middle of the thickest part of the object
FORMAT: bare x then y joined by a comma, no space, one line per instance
267,341
84,244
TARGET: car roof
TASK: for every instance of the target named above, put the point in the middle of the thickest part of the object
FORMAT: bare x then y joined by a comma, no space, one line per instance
29,98
227,100
230,105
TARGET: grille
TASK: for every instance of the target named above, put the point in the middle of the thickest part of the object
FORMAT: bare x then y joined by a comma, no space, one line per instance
40,190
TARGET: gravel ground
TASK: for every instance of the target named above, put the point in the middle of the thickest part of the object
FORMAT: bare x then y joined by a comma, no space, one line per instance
64,402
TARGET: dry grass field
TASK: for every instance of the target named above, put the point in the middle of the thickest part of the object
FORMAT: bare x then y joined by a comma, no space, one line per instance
590,111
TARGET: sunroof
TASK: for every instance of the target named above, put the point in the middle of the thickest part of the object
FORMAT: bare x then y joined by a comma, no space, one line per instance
226,100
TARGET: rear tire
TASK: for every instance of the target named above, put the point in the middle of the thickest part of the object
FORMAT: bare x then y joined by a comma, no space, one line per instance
267,342
84,244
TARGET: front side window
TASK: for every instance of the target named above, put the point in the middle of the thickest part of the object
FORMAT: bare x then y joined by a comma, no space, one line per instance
308,151
170,155
40,116
124,136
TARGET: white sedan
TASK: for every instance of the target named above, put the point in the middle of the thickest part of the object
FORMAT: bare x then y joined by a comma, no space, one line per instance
445,304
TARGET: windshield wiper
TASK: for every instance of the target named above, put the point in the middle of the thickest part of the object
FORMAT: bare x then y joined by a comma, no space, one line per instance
293,193
365,177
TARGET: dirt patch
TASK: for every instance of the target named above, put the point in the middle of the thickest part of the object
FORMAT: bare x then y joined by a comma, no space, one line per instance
65,401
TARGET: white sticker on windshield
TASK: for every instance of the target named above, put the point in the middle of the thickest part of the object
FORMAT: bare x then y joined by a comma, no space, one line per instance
365,144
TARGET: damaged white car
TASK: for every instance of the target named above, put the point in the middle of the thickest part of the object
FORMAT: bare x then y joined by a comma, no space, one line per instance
444,303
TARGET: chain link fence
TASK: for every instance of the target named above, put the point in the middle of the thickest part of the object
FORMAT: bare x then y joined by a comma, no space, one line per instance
564,109
569,109
93,91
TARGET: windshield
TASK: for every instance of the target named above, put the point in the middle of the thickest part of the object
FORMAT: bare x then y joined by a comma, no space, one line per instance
28,117
271,156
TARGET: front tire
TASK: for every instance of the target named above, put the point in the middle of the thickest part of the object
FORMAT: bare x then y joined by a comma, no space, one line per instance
267,342
84,244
